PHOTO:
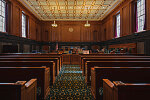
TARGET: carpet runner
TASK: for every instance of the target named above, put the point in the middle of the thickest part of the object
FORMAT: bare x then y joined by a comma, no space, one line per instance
70,85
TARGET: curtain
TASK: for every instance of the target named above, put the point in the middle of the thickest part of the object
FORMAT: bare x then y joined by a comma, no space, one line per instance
136,18
6,17
144,28
115,27
144,19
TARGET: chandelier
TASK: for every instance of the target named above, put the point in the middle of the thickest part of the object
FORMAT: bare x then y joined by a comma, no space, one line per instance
87,24
54,24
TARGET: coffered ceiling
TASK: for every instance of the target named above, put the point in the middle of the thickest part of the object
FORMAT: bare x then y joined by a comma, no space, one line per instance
70,9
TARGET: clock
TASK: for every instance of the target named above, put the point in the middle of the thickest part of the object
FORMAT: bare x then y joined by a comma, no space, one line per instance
71,29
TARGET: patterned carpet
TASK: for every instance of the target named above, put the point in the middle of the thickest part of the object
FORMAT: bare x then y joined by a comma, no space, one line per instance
70,85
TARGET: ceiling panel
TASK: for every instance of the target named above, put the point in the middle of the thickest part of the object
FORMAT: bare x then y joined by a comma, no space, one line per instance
70,9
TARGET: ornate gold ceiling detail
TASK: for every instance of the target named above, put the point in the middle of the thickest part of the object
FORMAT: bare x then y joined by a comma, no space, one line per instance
70,9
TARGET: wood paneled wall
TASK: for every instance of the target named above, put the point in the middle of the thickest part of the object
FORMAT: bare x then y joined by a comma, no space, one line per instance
15,13
99,30
129,45
126,13
77,33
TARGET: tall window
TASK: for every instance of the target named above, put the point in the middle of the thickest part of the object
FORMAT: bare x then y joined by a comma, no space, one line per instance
117,30
140,17
24,31
2,16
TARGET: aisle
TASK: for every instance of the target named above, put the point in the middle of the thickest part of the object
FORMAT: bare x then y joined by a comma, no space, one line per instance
70,85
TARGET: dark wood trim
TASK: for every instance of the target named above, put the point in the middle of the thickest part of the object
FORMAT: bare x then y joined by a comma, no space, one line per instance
133,38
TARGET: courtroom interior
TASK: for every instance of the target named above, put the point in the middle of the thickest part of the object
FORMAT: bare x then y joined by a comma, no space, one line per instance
74,49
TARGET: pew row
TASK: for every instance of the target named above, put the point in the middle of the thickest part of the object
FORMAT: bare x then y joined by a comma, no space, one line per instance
113,58
107,55
11,74
49,64
32,55
20,90
118,90
56,60
127,74
90,64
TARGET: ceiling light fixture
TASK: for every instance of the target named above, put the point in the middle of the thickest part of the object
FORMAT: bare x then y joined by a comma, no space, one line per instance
54,24
87,24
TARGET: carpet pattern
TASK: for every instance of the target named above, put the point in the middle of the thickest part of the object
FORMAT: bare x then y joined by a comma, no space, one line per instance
70,85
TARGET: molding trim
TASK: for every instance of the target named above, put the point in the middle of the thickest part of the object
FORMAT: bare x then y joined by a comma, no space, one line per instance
133,38
5,37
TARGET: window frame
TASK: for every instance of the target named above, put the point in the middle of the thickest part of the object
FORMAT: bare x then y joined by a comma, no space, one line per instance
4,17
26,25
116,25
138,24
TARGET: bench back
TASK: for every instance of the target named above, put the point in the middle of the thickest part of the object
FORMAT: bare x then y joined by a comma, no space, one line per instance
32,56
56,60
111,59
42,74
105,57
118,90
117,63
20,90
122,54
49,64
126,74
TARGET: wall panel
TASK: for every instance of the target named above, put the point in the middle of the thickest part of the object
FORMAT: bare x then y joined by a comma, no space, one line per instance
71,31
126,20
16,20
32,28
38,31
15,26
99,30
126,12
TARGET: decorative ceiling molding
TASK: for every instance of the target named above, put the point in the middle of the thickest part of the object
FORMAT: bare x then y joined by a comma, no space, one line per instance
70,10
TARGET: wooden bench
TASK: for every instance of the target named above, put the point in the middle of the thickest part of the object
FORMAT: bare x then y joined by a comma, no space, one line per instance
49,64
106,54
20,90
90,64
33,55
109,56
113,58
127,74
118,90
56,60
30,54
42,74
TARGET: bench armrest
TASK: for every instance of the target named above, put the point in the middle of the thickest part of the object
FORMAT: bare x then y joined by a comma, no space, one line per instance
108,90
29,83
109,83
